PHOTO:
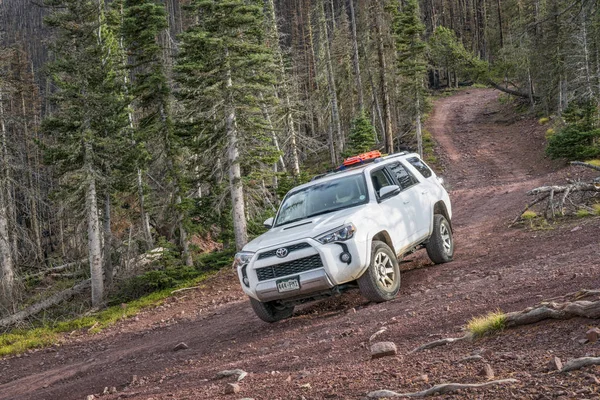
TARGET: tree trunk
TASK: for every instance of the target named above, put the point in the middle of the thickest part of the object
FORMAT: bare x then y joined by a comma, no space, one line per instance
145,218
185,246
500,25
356,59
235,175
289,117
419,129
7,273
35,225
387,115
108,265
94,246
338,136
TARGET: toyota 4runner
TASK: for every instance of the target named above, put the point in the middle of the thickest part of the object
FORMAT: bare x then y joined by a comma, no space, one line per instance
347,228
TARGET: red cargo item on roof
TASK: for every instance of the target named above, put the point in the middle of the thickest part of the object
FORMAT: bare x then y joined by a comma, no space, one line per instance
362,158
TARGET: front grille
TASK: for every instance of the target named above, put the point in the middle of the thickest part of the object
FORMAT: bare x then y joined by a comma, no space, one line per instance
273,253
289,268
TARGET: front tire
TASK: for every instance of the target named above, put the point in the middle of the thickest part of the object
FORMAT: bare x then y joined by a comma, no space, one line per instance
381,281
271,311
440,247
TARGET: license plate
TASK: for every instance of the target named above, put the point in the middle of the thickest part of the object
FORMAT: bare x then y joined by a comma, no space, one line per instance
288,284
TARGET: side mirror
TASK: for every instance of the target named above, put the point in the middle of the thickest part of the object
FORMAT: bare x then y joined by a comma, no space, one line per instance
268,223
389,191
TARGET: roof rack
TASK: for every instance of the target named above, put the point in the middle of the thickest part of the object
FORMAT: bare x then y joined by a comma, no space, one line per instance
374,156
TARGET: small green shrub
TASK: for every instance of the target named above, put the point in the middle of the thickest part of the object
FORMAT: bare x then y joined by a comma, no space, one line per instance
582,213
487,324
596,208
549,133
574,143
543,120
529,214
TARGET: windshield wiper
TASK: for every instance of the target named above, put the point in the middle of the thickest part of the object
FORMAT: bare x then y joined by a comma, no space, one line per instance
291,221
325,211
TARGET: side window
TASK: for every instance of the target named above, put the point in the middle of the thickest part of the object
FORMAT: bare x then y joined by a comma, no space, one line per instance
404,177
420,166
380,179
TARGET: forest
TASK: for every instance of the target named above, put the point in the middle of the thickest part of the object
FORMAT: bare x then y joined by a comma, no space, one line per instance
133,131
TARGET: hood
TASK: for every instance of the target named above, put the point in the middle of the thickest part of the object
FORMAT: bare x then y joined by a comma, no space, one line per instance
307,228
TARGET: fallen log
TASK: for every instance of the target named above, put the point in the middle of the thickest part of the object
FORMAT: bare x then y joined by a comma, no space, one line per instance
42,305
567,310
579,363
584,164
56,269
441,342
444,388
510,91
575,187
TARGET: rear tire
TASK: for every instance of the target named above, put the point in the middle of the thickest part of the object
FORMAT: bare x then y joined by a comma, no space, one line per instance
440,247
271,311
381,281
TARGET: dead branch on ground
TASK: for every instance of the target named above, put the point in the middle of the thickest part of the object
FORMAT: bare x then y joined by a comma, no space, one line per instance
42,305
555,310
562,200
441,342
444,388
579,363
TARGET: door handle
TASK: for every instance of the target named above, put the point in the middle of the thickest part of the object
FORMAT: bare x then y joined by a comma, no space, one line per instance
424,192
406,202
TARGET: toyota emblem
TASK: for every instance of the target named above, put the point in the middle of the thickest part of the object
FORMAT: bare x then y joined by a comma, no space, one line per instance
281,252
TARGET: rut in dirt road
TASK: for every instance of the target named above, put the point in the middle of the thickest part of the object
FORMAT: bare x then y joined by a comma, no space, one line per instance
491,158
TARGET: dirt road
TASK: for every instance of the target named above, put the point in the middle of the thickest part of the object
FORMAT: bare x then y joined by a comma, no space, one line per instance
491,158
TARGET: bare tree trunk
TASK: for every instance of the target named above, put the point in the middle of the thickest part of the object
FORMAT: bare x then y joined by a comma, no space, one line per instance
289,117
356,59
7,273
235,176
500,24
419,129
387,116
35,225
335,113
108,265
185,246
267,117
94,246
143,214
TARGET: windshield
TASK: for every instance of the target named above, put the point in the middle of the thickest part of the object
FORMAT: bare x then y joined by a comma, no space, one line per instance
322,198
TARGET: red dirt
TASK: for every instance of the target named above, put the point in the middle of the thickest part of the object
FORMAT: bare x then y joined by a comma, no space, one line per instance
491,158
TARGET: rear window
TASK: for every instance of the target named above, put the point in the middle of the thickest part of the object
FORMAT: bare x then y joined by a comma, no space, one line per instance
420,166
404,177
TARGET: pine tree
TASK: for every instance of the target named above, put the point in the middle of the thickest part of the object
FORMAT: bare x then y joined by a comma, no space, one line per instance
226,73
86,127
362,135
144,21
412,66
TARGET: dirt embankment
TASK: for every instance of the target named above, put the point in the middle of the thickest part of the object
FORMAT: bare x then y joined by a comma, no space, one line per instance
491,158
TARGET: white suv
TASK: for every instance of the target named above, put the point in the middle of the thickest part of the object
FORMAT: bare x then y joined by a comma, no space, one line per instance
345,228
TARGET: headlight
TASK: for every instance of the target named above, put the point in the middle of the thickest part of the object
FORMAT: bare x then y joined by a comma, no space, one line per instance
241,259
337,235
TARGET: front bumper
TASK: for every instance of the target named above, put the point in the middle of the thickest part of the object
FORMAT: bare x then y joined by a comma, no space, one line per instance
310,282
329,272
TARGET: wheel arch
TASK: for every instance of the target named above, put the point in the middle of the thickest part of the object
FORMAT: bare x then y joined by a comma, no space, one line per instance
440,208
382,236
